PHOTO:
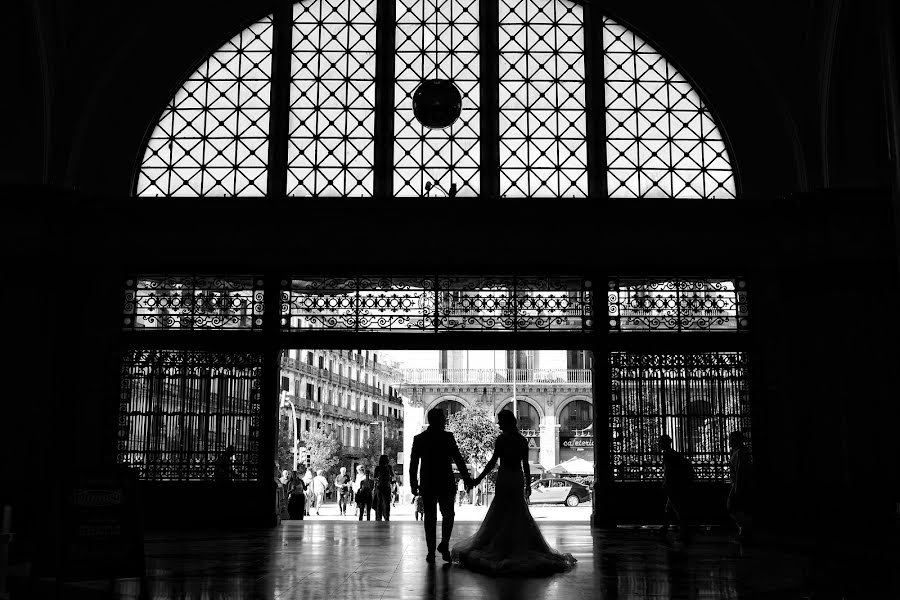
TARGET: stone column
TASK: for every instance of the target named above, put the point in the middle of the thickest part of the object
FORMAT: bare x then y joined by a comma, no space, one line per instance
549,438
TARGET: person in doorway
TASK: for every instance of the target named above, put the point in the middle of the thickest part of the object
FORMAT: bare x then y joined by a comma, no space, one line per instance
739,496
364,496
478,496
320,486
436,449
342,488
460,491
384,482
310,497
225,465
395,493
677,475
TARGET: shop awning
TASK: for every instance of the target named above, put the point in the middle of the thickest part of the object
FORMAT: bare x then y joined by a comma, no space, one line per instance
573,466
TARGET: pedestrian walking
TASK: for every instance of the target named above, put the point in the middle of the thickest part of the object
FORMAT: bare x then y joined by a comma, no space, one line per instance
677,475
320,486
419,503
739,503
296,497
342,488
364,496
310,497
360,475
384,481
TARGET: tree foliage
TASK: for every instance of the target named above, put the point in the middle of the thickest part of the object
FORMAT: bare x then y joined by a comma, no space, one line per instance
475,430
324,449
284,452
371,448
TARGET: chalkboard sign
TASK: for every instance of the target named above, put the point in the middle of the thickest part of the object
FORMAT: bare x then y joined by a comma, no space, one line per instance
101,533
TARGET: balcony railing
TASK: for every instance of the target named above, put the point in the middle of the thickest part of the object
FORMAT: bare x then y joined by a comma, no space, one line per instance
497,376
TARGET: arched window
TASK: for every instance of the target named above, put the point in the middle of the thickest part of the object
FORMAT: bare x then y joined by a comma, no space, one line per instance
522,72
450,407
528,415
576,415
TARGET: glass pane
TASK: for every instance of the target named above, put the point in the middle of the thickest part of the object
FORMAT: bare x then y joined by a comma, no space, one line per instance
436,39
661,138
542,99
332,114
212,138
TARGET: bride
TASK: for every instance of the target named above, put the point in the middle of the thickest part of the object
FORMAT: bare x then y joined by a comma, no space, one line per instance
509,542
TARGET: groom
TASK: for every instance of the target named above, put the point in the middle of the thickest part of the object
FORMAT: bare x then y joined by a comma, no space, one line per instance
435,448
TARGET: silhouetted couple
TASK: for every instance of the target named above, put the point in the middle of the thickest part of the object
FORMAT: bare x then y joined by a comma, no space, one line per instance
508,542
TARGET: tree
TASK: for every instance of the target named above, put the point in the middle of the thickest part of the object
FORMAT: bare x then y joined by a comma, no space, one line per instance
371,448
475,430
324,449
284,452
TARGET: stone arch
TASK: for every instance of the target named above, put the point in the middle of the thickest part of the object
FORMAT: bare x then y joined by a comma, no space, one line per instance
532,404
569,400
447,398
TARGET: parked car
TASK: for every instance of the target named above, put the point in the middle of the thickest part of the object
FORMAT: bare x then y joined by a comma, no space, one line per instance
559,489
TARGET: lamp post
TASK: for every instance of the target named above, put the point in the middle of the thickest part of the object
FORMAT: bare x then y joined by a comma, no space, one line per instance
382,433
295,449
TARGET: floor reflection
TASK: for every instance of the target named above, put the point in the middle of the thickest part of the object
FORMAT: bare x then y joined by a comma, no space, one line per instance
334,560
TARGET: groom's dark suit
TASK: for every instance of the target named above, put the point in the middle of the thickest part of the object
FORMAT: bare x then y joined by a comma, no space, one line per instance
435,449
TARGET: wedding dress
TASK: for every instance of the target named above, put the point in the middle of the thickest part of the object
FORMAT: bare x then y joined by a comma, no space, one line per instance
509,542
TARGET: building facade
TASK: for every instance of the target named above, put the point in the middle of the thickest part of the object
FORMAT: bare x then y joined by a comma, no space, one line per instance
554,405
345,392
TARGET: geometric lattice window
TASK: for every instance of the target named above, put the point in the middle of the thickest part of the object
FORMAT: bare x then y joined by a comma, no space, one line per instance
318,120
697,399
438,304
332,113
212,138
185,303
677,304
180,409
662,141
543,150
446,156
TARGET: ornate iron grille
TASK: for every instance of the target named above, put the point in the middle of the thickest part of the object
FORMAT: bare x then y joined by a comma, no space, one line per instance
184,302
662,141
179,409
697,399
437,304
542,99
212,138
332,114
677,304
437,39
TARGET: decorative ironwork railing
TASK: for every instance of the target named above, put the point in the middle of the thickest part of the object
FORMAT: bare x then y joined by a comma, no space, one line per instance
185,302
497,376
677,304
180,409
697,399
436,304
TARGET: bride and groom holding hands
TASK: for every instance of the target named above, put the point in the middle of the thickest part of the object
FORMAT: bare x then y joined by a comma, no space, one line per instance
509,541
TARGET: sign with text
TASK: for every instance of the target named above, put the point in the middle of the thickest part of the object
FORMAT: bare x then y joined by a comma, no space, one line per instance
100,528
580,441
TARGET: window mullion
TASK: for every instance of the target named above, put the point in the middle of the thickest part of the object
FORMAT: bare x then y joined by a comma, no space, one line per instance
384,99
279,104
594,102
489,56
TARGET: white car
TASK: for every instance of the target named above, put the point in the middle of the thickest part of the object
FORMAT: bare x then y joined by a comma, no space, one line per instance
559,489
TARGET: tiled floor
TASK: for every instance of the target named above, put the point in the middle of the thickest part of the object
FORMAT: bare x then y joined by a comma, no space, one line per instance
369,560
